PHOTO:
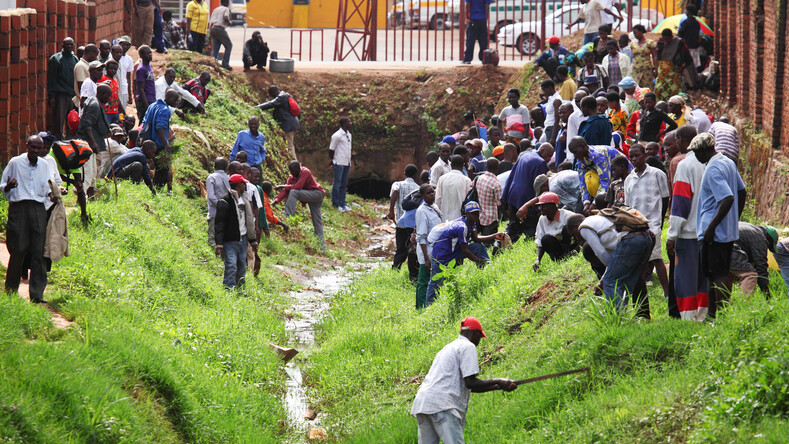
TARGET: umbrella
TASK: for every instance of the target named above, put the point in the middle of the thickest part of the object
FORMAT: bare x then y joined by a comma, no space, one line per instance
673,24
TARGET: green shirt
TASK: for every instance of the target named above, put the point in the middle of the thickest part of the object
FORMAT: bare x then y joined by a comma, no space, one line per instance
60,74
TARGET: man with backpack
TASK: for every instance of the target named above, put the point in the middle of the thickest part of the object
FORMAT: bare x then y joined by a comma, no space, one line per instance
286,113
156,127
405,220
621,242
93,128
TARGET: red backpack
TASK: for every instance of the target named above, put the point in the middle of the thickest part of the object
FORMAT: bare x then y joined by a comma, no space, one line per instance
71,154
295,109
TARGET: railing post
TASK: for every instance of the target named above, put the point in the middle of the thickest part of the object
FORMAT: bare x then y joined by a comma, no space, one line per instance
462,30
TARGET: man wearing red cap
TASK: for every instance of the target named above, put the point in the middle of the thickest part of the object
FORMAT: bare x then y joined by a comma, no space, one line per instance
442,400
233,224
552,235
553,57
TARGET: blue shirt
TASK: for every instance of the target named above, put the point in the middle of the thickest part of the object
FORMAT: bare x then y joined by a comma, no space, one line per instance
720,181
158,114
519,188
255,146
596,130
447,238
128,158
480,164
408,219
477,9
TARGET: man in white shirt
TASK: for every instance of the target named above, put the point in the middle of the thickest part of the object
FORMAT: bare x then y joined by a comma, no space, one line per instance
606,18
340,152
551,108
574,121
646,190
591,13
553,236
452,189
167,81
441,166
126,67
217,24
88,88
514,120
25,185
441,403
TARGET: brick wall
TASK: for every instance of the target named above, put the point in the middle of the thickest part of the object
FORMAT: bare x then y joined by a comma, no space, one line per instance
751,44
28,36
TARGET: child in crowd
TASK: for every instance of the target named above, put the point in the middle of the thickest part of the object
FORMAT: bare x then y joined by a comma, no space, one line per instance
271,219
615,197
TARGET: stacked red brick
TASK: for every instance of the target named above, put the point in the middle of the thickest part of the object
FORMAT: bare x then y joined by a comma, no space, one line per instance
27,38
752,46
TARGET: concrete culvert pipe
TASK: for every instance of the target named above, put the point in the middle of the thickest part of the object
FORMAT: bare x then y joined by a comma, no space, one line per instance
370,188
281,65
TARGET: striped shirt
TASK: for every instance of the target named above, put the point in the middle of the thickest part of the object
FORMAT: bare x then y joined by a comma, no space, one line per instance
727,140
405,187
489,192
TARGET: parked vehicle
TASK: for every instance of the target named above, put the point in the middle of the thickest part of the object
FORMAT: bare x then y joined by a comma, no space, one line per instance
529,37
238,12
433,14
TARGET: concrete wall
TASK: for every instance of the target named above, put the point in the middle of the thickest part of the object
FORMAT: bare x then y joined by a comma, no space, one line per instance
319,14
28,36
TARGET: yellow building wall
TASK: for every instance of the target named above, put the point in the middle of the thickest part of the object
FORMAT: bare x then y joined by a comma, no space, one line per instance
320,14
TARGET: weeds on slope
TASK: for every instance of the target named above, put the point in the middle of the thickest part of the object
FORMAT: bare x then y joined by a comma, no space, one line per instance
652,380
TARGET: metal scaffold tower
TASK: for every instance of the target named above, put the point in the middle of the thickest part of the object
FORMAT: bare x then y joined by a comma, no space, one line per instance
358,41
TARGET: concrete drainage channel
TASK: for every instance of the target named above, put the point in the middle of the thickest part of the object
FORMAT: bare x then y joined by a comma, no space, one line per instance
309,305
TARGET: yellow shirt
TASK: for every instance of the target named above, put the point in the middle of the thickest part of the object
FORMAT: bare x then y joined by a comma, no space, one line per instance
568,88
198,12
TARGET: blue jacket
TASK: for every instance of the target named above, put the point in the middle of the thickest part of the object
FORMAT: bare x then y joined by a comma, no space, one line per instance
596,130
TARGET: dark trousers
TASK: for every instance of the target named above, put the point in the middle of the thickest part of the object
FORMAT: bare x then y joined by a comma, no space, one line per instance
556,248
477,31
158,27
516,228
131,171
487,230
260,59
673,307
402,238
597,266
26,233
63,105
198,41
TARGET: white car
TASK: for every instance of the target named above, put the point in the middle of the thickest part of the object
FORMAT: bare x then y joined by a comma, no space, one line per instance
528,37
433,14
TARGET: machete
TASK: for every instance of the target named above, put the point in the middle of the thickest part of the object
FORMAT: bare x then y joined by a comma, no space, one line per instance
552,375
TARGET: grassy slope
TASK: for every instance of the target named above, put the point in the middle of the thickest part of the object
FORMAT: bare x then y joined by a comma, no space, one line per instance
650,381
160,352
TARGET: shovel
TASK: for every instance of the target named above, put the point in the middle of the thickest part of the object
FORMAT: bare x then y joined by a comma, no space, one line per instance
552,375
285,353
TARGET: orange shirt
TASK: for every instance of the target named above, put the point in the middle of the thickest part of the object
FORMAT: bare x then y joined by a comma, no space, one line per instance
270,217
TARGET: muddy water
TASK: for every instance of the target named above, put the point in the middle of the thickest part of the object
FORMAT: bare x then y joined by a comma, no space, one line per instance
309,305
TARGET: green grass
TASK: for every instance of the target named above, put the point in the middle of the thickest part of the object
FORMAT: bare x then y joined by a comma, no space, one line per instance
652,381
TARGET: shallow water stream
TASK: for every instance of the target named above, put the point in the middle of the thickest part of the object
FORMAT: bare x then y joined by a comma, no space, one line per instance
309,305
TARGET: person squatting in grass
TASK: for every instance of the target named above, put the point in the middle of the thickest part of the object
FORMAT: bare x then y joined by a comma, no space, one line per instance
441,403
133,165
553,235
234,225
450,242
302,187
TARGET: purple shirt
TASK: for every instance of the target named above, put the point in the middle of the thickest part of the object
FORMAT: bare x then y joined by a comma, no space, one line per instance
520,185
144,73
447,238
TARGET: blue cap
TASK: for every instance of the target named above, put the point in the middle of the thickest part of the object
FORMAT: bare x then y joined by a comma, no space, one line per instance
471,206
591,79
449,139
627,82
